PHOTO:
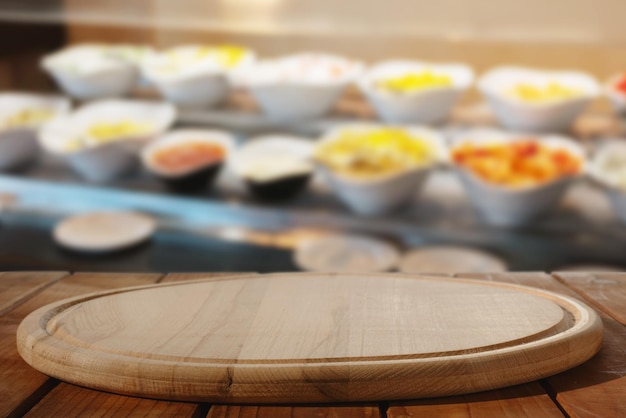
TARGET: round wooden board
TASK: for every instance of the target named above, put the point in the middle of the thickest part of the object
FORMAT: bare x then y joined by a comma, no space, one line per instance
306,337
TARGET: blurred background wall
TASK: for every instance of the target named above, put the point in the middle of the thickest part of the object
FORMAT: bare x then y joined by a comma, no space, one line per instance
585,34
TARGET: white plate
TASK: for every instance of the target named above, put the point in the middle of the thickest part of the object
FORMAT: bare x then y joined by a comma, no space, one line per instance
450,259
103,231
345,254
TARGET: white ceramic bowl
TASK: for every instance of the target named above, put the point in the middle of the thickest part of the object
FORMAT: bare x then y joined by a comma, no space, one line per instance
378,195
549,116
18,144
105,162
87,72
428,105
617,98
507,206
615,192
196,84
196,177
298,87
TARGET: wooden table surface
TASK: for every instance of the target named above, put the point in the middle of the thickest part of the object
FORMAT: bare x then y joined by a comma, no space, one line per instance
594,389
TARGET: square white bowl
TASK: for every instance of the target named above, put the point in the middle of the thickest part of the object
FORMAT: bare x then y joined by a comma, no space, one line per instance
429,105
500,205
379,195
203,83
87,72
18,145
549,116
108,161
285,95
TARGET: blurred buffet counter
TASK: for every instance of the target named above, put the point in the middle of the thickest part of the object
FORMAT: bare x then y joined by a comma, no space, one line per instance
273,137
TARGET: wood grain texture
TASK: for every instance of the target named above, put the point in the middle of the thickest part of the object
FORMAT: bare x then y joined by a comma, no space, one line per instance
22,386
248,411
597,387
237,411
528,400
606,291
90,403
309,338
16,287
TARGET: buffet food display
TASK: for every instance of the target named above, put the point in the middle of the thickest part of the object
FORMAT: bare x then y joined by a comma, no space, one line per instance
511,176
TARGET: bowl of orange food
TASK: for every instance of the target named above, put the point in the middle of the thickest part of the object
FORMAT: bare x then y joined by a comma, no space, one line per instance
513,179
188,159
531,100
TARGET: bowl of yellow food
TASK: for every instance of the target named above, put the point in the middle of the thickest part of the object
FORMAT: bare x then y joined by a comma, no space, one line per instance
96,71
529,100
298,87
513,179
607,169
375,169
196,75
21,117
101,140
414,91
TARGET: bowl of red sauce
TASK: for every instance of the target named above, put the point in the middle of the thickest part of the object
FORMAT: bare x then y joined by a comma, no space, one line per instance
188,160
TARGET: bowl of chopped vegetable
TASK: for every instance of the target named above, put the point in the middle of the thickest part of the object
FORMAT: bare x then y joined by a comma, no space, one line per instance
415,91
374,169
513,179
101,140
530,100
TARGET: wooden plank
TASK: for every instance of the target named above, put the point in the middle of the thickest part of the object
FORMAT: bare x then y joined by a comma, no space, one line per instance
16,287
234,411
596,388
78,284
22,386
529,400
605,291
72,401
